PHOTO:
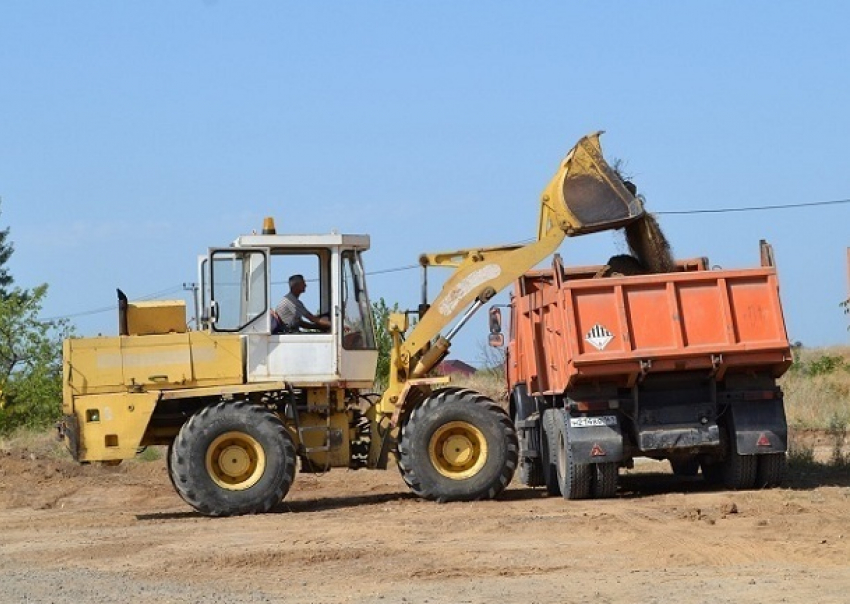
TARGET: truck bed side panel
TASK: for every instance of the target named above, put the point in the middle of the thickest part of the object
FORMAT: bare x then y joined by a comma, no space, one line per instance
621,327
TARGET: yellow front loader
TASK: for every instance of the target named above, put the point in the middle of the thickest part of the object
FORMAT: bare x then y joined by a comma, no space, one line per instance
241,407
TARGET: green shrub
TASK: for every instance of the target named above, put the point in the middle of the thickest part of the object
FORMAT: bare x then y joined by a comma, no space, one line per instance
825,364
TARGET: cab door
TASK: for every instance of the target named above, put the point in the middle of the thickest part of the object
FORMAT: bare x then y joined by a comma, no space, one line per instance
238,290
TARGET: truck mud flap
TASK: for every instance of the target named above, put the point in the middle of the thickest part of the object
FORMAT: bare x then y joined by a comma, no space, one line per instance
595,439
758,427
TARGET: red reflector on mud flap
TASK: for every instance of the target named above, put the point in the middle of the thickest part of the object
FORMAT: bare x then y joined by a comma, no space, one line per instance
763,440
597,451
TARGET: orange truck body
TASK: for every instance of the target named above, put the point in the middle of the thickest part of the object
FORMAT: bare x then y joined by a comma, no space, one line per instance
568,329
679,366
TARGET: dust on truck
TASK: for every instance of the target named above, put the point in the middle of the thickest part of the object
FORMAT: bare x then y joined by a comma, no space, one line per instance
679,366
240,408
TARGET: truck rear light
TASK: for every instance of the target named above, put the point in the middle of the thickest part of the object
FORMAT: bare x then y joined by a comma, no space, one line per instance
585,406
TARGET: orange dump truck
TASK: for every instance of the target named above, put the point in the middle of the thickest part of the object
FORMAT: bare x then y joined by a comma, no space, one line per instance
679,366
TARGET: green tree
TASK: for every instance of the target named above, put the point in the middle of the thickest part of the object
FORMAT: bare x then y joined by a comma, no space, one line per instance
30,361
6,249
381,314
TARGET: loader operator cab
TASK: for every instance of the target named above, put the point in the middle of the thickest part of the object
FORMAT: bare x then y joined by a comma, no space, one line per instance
242,284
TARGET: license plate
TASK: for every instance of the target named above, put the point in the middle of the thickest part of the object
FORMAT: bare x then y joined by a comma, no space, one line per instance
587,422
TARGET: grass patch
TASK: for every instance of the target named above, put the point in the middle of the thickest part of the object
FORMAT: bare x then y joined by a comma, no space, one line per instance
151,454
38,441
817,388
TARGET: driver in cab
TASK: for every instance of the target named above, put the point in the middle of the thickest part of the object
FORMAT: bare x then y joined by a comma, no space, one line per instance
290,315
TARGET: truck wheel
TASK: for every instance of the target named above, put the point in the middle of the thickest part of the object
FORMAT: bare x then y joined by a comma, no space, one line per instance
233,458
549,451
574,478
530,473
458,445
530,468
739,471
770,470
604,480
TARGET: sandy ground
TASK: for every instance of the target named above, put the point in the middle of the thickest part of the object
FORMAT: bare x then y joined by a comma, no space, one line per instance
71,534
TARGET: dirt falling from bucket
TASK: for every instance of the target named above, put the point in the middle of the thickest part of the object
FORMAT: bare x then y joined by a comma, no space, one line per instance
648,244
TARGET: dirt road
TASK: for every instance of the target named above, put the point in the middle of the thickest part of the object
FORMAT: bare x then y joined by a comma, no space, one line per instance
71,534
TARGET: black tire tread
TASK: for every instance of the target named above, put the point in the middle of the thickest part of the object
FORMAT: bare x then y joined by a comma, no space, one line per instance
549,452
605,480
771,470
409,459
577,482
182,449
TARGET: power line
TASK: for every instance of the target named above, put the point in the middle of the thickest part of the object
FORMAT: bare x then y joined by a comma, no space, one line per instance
522,242
393,270
755,208
103,309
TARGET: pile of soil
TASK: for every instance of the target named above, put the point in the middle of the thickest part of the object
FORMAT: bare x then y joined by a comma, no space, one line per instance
649,245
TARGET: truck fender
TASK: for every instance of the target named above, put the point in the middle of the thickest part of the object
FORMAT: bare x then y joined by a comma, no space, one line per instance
758,427
594,443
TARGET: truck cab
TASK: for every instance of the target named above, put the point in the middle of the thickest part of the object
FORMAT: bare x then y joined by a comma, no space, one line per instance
240,286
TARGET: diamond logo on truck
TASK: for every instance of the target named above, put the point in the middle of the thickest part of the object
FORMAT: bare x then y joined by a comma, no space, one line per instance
598,337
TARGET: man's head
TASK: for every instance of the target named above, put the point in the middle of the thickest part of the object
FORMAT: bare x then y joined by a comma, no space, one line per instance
297,285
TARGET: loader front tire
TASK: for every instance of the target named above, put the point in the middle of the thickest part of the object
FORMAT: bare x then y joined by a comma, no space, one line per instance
458,445
232,458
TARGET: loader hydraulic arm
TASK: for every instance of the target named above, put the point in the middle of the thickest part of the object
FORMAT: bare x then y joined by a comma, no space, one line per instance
584,196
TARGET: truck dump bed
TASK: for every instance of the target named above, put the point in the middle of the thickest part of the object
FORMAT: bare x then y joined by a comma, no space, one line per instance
570,328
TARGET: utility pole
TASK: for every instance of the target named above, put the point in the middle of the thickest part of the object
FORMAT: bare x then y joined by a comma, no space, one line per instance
193,287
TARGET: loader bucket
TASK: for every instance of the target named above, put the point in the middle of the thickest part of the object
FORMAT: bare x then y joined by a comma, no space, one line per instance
586,195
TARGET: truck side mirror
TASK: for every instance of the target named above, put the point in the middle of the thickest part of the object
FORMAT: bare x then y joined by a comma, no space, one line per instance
497,338
495,319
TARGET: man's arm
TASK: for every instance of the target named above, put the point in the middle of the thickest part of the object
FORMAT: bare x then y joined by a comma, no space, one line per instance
323,323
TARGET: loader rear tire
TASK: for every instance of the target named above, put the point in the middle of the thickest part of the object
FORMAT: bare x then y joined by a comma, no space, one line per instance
458,445
549,451
231,459
575,479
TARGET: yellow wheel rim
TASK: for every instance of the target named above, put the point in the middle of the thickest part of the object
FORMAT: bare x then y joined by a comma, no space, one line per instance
458,450
235,461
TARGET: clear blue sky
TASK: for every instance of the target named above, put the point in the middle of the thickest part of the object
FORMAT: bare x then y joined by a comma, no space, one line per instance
134,135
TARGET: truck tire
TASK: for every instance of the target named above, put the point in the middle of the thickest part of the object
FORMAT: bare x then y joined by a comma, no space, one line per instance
530,468
233,458
549,451
458,445
739,471
604,480
770,470
575,479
